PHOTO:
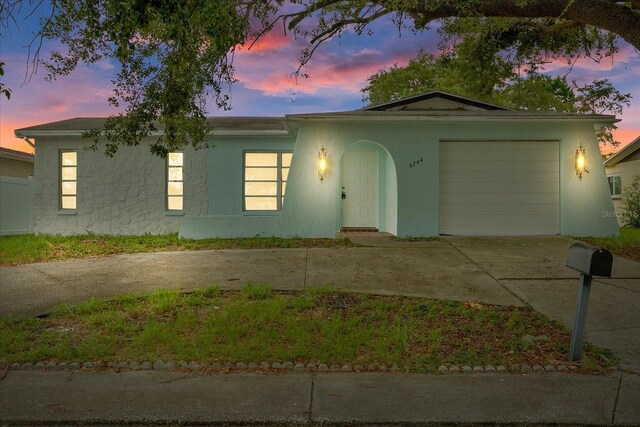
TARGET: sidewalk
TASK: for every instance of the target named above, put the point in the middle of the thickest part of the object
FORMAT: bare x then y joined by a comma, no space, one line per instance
155,397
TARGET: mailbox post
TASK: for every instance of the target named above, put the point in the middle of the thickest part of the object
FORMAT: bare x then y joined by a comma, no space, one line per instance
589,261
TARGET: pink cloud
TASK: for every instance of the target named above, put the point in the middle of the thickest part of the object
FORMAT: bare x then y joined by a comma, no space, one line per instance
272,41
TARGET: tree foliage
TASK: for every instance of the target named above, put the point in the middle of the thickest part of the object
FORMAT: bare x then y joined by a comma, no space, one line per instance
631,203
4,90
174,55
489,60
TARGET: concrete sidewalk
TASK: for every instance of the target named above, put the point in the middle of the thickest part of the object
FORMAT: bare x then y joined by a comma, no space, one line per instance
155,397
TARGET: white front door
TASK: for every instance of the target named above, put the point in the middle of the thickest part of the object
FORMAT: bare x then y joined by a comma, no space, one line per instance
360,189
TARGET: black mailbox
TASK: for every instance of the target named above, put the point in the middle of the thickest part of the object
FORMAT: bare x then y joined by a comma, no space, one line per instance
590,260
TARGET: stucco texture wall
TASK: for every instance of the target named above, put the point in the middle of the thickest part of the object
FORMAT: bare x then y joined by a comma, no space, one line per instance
312,208
125,194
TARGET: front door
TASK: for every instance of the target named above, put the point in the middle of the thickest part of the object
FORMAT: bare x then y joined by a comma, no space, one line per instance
360,189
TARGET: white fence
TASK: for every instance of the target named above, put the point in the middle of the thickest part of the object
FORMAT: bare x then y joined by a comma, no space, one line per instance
16,205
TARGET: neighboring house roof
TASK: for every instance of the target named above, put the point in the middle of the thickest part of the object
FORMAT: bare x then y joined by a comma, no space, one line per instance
627,151
8,153
220,125
436,100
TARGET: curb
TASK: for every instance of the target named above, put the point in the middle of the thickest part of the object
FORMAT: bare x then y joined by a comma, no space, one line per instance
281,367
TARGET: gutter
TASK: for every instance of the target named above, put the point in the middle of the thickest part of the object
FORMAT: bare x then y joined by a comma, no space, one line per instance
38,133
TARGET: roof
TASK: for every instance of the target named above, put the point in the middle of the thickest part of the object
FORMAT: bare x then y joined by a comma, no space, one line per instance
8,153
220,125
432,106
435,100
624,153
455,116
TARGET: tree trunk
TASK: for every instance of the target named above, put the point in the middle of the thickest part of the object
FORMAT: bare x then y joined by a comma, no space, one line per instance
605,14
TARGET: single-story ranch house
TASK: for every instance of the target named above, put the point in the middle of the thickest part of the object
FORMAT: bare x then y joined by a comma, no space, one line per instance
422,166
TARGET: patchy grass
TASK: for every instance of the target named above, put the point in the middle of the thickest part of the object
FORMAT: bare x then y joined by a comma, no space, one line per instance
30,248
317,325
627,244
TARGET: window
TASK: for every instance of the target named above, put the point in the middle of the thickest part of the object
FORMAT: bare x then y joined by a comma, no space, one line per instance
615,185
265,180
175,181
68,179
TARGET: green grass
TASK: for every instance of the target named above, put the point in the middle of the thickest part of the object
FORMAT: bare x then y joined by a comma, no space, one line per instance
318,325
627,244
30,248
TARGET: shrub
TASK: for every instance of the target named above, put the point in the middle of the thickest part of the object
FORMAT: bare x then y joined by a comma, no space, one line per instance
631,203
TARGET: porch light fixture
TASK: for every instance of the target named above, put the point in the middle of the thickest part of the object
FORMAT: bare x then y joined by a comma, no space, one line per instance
581,161
322,164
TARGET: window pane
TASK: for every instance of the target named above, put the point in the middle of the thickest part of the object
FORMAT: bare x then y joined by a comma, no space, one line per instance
69,173
176,159
286,159
69,158
68,202
618,185
261,174
285,174
175,174
260,188
174,188
261,203
69,188
175,203
284,187
261,159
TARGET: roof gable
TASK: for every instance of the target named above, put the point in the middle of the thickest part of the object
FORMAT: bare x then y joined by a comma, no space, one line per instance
627,153
436,100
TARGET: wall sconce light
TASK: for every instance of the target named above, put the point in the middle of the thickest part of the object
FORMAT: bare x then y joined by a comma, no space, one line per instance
581,161
322,164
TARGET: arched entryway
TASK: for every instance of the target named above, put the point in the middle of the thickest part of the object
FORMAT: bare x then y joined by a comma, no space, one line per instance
368,188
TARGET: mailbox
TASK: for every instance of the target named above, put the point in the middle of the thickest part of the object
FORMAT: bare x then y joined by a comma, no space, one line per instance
590,260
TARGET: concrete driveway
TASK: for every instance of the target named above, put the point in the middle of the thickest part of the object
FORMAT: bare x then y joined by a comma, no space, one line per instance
491,270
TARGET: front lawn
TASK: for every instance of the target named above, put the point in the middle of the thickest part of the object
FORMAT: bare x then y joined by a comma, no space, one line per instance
28,248
627,244
314,326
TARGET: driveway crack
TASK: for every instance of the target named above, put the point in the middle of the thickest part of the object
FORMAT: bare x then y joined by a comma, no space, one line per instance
310,416
486,272
46,274
615,403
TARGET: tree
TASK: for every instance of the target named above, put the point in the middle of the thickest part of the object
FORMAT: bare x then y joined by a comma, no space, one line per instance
174,54
631,203
4,90
485,59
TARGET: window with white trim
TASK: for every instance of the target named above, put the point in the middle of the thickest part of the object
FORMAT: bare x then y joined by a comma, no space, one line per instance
265,179
68,179
175,181
615,185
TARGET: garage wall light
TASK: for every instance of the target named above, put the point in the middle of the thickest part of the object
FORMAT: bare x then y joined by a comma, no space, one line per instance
322,164
581,161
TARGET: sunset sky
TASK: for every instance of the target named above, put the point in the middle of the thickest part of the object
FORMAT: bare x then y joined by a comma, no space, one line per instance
265,84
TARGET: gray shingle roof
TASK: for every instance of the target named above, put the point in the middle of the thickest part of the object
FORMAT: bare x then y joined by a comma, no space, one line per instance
224,124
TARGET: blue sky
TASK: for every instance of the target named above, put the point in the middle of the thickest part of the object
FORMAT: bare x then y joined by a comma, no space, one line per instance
266,86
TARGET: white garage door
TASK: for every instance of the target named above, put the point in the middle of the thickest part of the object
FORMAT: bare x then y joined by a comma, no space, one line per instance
499,188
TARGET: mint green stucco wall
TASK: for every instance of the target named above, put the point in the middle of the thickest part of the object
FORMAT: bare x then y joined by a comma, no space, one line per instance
409,196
